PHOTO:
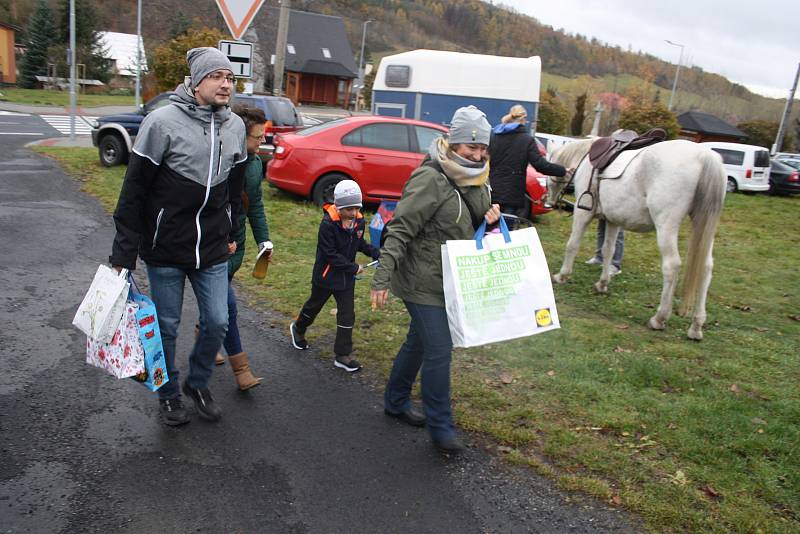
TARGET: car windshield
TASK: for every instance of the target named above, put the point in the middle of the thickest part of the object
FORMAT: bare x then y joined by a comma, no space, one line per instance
794,163
781,166
320,127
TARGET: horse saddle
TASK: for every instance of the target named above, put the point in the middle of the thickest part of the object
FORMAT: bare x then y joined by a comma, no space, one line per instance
606,149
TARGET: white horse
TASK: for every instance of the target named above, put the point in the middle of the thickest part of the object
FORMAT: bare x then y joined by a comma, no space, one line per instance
662,185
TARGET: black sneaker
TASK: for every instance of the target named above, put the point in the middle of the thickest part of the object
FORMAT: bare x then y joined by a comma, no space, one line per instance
451,445
298,340
172,412
203,402
350,365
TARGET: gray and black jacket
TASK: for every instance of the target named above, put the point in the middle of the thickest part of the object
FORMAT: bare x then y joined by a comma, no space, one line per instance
181,196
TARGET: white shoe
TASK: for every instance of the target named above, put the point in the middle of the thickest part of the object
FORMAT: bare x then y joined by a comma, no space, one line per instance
613,270
594,260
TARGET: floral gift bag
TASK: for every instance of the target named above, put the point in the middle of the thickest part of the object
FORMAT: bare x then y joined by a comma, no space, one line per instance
124,355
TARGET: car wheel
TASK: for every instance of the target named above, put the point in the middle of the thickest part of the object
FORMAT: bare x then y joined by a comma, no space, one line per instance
731,187
323,189
112,150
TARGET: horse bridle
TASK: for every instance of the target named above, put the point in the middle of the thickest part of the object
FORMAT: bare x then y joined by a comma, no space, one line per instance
565,183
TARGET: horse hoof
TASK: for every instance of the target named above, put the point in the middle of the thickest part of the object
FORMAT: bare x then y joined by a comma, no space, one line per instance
600,289
655,324
695,334
559,278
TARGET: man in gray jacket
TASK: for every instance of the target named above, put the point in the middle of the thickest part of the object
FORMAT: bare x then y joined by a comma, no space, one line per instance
178,211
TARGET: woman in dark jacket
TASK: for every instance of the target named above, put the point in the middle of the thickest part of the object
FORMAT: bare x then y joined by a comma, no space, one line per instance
511,149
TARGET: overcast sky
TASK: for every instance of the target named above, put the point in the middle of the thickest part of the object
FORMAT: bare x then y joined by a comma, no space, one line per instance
752,42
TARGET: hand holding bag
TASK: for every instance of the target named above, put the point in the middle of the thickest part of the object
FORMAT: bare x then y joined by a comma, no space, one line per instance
102,308
497,287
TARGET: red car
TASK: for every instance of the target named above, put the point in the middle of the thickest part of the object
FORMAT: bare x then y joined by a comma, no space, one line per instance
377,152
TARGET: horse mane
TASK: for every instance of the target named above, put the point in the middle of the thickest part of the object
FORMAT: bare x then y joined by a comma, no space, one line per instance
570,155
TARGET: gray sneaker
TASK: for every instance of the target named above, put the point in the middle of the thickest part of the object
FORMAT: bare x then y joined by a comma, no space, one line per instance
613,270
594,260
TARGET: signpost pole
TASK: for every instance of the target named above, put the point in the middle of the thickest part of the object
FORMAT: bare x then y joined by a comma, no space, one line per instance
280,48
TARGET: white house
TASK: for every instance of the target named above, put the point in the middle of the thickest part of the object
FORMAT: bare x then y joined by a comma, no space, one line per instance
121,48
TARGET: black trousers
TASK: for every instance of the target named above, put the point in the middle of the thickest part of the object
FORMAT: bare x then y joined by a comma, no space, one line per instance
345,315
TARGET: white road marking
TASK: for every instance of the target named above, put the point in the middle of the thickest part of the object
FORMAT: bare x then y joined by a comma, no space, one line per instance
14,113
83,124
21,133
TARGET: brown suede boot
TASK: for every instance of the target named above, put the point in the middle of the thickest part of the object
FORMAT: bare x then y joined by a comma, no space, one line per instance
241,369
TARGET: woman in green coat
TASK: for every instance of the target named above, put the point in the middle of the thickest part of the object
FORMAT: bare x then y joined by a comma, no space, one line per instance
447,197
254,121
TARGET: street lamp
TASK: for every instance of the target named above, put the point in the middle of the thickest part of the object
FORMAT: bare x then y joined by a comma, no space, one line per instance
361,63
677,72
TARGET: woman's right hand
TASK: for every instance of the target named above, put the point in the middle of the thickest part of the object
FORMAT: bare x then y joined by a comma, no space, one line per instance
379,298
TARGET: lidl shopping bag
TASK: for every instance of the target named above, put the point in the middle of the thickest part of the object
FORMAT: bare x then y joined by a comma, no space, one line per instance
497,287
103,305
155,373
123,356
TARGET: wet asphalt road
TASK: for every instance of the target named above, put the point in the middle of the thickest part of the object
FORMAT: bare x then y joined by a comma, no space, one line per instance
307,451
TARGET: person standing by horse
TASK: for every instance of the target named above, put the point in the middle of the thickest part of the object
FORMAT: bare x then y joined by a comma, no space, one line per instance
511,149
445,198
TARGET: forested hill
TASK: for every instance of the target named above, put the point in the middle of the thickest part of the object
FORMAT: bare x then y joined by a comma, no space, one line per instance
461,25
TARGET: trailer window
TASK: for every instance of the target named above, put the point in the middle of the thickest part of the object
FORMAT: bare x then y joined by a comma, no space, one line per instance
398,76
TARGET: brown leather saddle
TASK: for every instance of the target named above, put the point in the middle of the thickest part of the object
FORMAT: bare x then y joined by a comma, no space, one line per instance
604,150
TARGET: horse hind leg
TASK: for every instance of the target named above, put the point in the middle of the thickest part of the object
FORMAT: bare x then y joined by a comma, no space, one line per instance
609,247
699,319
670,268
580,222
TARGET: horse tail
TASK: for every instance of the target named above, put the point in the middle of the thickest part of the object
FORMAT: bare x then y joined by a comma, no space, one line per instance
705,213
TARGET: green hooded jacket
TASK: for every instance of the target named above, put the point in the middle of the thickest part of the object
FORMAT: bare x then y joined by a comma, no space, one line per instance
252,210
429,213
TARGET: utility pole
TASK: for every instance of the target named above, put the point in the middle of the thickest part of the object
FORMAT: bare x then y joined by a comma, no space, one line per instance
786,112
73,104
280,48
361,75
677,72
138,51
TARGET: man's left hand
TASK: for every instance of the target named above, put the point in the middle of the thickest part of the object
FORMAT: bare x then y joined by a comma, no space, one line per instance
493,215
232,248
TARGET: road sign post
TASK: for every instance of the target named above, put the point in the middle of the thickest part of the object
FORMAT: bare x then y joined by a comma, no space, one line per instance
240,55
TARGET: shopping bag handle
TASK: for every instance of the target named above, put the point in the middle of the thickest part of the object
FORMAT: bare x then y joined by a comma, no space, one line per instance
134,288
481,231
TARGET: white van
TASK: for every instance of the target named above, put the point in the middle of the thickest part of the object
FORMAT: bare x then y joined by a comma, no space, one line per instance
747,165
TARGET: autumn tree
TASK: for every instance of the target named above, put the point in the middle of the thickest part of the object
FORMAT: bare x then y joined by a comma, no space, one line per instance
576,126
643,114
169,59
40,37
553,115
763,133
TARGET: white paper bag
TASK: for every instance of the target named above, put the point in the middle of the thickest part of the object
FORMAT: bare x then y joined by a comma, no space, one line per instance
497,287
101,310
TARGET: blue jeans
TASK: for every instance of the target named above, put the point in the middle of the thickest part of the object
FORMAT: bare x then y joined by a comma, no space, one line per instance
619,246
210,286
232,343
427,346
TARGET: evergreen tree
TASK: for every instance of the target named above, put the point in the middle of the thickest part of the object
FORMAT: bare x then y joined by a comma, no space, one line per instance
553,115
40,37
179,25
576,126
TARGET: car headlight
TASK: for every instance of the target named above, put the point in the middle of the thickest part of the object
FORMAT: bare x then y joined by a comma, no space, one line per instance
95,125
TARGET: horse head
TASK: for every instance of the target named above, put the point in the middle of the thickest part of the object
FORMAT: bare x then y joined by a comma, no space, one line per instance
570,156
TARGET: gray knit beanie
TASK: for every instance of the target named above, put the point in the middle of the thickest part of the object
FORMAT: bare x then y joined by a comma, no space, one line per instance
347,194
469,125
203,61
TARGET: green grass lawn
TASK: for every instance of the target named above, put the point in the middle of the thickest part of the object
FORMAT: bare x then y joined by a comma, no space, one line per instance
694,437
43,97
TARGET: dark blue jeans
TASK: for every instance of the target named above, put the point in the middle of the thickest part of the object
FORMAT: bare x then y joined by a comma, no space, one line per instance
232,343
427,346
210,287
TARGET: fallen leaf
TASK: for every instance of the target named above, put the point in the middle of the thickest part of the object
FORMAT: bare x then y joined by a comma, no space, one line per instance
761,329
621,326
743,307
334,311
679,478
651,306
551,373
616,500
621,349
506,377
734,388
711,492
504,449
794,317
626,433
760,431
758,421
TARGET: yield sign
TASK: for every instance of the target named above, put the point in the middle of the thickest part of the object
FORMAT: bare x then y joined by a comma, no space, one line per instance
238,14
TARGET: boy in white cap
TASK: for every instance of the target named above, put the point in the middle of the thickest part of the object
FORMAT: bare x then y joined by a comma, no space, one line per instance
341,235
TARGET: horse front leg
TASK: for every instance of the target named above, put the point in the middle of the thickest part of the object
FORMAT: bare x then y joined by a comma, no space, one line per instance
580,221
699,319
608,249
670,268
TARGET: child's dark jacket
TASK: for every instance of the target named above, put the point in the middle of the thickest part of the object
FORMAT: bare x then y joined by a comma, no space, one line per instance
335,266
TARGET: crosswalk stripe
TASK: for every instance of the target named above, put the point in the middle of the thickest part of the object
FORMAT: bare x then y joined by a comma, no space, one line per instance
83,123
